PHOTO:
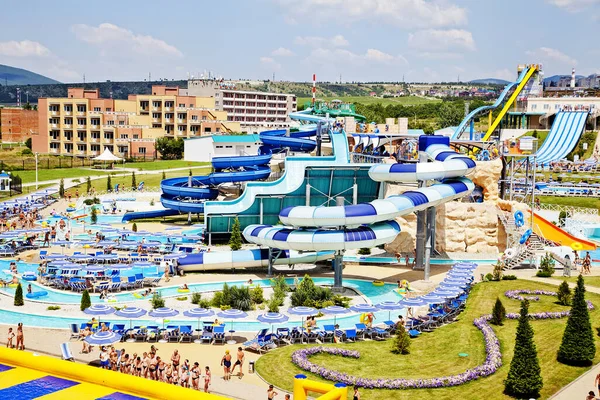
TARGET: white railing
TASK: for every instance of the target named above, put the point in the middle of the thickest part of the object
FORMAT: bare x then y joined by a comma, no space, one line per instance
587,211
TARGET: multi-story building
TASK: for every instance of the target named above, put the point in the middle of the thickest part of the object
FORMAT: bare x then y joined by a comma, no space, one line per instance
17,124
254,110
83,124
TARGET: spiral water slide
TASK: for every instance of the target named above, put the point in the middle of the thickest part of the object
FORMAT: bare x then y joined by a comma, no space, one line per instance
371,224
520,83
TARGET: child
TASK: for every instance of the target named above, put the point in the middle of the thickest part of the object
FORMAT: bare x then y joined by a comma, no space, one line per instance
9,340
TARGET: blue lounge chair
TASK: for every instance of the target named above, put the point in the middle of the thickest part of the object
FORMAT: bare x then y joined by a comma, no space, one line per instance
139,280
120,329
115,284
413,333
351,335
295,336
65,351
153,333
282,335
327,334
186,333
207,335
219,334
74,331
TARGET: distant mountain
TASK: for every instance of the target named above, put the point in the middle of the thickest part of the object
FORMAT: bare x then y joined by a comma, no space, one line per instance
556,78
17,76
489,81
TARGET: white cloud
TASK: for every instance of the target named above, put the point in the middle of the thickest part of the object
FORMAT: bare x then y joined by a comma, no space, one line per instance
574,5
111,36
282,52
445,41
426,55
344,56
270,63
403,13
553,55
322,42
24,48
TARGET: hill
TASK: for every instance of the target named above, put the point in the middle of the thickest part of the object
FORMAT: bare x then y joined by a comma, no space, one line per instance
18,76
489,81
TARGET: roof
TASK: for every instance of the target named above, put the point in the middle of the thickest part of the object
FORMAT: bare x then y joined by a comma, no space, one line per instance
254,138
526,113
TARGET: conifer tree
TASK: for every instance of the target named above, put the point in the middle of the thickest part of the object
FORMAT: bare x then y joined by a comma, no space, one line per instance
235,242
498,313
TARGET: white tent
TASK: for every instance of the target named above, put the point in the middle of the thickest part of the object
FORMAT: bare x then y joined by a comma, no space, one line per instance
107,156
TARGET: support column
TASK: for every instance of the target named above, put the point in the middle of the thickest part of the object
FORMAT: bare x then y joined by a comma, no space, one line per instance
270,266
307,194
189,218
319,138
431,214
426,269
261,211
338,267
421,226
355,194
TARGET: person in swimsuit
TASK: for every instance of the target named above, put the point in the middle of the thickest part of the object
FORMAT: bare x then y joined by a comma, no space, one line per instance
114,357
240,362
287,397
20,338
9,339
356,395
145,365
104,361
138,367
175,359
161,369
226,364
168,373
185,374
597,382
207,378
153,366
195,375
175,377
271,393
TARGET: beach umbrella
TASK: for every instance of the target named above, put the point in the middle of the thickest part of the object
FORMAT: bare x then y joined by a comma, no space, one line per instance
364,308
131,313
174,256
56,257
103,338
173,228
335,311
431,298
198,313
232,313
163,313
447,294
99,309
273,318
390,306
303,311
80,257
412,302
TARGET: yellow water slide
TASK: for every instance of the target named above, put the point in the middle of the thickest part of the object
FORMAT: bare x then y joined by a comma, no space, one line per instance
532,70
546,229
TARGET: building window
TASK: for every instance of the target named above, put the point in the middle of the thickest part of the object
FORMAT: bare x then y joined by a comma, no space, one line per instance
229,147
122,122
136,136
81,108
182,105
124,136
194,118
108,109
142,150
219,147
181,128
110,122
98,109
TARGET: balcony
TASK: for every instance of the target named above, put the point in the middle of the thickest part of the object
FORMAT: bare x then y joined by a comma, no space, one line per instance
67,126
94,126
81,126
68,112
94,153
54,139
53,125
54,151
156,108
108,141
181,121
195,121
81,113
168,108
157,120
54,113
168,120
81,140
94,140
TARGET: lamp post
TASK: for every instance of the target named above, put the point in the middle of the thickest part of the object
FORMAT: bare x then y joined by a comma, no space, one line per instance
36,170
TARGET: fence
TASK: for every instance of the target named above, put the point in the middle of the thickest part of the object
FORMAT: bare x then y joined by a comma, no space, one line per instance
28,164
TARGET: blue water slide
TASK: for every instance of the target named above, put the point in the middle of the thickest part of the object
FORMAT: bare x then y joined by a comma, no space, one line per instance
148,214
371,224
277,140
564,135
499,101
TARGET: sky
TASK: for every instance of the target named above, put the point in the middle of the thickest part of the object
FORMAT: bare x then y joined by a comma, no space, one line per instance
359,40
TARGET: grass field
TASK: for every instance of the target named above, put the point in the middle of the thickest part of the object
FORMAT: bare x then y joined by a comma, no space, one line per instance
406,101
589,280
436,354
150,180
161,165
588,202
51,174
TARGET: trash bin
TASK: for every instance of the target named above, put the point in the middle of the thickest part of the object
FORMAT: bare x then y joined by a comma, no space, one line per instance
251,367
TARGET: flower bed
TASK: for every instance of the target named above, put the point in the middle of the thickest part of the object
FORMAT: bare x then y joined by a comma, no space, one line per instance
493,359
516,294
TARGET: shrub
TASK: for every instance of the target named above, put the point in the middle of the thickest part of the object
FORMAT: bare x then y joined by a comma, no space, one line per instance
76,180
310,295
497,273
94,216
53,308
152,202
204,303
509,277
133,180
85,300
564,294
217,299
164,176
108,184
489,277
342,301
498,313
134,227
524,379
26,152
235,242
223,308
578,347
19,296
28,143
273,304
257,295
278,283
88,184
157,300
401,343
196,297
181,298
561,218
546,267
61,188
240,298
364,251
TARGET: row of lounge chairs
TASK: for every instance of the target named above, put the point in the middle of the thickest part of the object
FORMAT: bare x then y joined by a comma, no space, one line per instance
114,284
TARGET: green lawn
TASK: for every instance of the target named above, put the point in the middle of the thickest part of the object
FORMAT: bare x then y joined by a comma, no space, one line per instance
588,202
161,164
150,180
50,174
406,101
436,354
589,280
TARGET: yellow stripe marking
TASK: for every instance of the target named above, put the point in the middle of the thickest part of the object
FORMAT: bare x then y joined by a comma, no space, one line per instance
17,376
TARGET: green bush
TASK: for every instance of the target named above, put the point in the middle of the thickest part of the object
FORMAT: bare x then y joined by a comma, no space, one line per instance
498,313
497,273
564,294
88,184
561,218
61,188
401,343
157,300
28,143
364,251
164,176
134,227
546,267
182,298
342,301
53,308
204,303
524,378
19,296
85,300
273,304
257,295
109,187
240,298
235,242
509,277
578,347
279,283
217,299
94,216
26,152
133,180
196,297
310,295
489,277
